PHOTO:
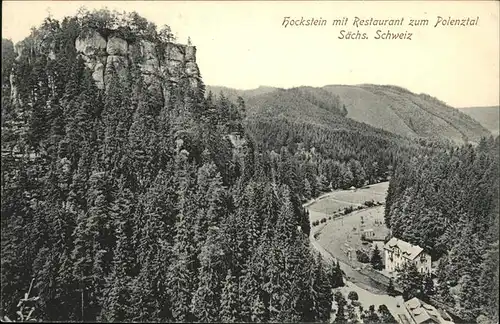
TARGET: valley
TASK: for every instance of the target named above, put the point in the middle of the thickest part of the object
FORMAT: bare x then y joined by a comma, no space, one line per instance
334,238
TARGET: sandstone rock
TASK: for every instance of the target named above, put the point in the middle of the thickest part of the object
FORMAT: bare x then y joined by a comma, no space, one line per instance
174,52
192,69
19,49
88,61
153,83
117,46
150,67
114,55
148,50
98,75
92,61
191,53
115,64
174,68
14,95
90,44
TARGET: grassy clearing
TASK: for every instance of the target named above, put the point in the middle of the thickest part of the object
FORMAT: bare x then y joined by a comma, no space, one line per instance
338,200
329,206
343,234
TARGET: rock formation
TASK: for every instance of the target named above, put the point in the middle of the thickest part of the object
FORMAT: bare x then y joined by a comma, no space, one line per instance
161,64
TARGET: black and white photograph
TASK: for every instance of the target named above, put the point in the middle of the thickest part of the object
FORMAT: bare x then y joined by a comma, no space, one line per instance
250,161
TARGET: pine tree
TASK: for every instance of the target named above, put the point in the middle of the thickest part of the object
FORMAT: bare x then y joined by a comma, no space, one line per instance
322,291
229,300
410,281
206,305
340,301
468,306
370,316
336,277
258,311
391,291
116,304
307,189
352,317
376,259
385,315
428,285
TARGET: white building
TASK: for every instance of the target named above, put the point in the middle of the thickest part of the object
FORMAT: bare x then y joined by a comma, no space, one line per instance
368,233
422,313
398,252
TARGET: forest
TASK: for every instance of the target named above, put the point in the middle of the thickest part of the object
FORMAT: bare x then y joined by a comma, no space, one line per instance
122,208
447,203
122,204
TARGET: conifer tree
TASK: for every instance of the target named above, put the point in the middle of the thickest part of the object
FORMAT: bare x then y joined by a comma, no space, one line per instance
410,281
376,259
229,299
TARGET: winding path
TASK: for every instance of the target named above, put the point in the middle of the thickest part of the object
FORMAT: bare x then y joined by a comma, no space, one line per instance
369,291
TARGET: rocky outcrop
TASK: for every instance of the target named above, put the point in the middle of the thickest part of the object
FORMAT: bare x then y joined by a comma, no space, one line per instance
98,74
91,44
158,63
190,54
117,46
192,69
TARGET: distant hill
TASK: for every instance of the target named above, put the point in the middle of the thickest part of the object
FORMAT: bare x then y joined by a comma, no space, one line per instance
390,108
489,117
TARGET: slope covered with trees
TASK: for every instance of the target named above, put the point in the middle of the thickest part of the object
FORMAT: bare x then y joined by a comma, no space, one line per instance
447,202
489,117
390,108
124,206
312,143
315,159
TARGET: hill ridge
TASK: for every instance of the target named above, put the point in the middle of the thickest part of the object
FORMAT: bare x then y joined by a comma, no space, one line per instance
388,107
488,116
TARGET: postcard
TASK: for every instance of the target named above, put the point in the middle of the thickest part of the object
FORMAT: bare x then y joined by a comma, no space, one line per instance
250,161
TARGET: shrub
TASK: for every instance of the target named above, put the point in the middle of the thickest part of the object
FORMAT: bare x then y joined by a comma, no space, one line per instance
385,315
353,295
348,210
362,256
369,203
323,220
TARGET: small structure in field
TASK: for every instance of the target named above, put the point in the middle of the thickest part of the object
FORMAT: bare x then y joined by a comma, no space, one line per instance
368,233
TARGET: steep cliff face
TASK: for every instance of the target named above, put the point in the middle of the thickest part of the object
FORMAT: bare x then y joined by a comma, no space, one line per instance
160,63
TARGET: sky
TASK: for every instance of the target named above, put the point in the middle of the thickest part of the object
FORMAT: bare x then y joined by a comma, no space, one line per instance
244,44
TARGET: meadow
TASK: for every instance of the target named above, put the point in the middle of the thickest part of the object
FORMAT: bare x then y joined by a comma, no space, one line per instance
343,234
335,202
